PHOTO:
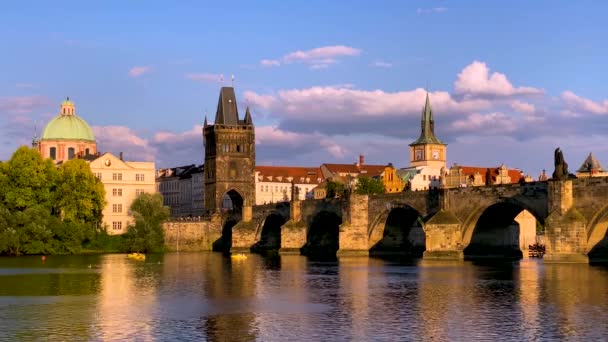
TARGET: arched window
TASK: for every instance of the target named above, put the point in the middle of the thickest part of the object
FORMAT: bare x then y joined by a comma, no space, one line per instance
53,153
71,153
86,152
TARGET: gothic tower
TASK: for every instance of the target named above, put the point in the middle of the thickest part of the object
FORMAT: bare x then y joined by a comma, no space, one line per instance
229,156
428,150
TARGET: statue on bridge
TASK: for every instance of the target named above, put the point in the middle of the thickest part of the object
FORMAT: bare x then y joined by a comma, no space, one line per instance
561,167
295,191
488,177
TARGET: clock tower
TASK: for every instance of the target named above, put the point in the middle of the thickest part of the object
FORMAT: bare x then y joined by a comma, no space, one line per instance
428,150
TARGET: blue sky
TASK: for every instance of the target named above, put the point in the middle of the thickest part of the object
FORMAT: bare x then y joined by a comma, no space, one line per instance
509,81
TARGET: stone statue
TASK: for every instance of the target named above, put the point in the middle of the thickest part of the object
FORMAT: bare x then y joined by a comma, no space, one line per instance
295,192
561,167
488,177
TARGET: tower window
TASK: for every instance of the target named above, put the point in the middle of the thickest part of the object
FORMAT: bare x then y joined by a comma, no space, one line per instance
87,152
71,153
53,153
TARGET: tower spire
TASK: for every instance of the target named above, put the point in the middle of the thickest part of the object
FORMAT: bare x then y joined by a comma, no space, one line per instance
427,125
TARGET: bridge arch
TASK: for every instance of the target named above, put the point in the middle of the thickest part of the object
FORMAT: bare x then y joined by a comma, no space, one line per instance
398,230
268,232
492,230
597,235
233,199
323,234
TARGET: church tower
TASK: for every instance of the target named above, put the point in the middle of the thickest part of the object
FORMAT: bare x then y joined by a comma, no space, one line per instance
428,150
229,157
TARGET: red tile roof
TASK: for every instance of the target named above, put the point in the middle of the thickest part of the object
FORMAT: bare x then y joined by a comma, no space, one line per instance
298,174
514,174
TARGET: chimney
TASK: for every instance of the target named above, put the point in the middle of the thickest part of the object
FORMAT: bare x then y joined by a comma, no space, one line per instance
361,160
120,155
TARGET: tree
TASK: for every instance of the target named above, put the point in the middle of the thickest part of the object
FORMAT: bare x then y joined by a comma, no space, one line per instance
27,180
369,186
334,189
79,195
146,233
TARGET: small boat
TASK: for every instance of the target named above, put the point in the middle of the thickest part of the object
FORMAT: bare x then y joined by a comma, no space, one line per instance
137,256
239,256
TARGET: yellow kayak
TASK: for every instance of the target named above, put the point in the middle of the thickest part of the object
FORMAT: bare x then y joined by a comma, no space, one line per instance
137,256
238,256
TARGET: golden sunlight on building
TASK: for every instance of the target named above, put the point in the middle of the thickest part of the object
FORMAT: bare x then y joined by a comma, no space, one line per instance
391,180
123,182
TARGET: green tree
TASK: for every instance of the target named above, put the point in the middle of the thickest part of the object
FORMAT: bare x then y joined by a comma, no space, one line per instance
79,195
369,186
334,189
27,180
146,233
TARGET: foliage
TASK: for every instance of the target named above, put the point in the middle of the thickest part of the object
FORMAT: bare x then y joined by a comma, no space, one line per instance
146,233
27,180
334,189
369,186
46,210
84,205
104,242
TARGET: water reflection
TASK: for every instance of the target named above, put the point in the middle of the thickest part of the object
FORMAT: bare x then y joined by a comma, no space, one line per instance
208,296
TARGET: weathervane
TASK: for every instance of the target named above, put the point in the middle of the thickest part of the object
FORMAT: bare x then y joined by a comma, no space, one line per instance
232,77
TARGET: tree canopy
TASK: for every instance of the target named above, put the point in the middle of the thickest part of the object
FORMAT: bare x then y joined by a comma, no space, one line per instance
334,189
146,233
45,209
369,186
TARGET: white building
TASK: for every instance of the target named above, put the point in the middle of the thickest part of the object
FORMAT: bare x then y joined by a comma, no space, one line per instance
123,182
273,183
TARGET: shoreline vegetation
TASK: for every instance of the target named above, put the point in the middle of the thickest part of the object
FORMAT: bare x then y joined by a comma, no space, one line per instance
50,210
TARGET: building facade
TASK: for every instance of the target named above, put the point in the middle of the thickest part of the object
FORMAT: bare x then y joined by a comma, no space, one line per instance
464,176
123,182
274,183
183,190
67,136
591,167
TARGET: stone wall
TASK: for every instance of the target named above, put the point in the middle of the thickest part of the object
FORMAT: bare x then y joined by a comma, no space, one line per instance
191,236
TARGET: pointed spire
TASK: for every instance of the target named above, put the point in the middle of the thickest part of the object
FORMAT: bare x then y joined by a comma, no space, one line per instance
591,165
248,120
205,124
427,125
227,112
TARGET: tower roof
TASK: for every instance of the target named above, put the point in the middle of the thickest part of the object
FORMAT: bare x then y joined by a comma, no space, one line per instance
248,119
591,164
427,134
227,112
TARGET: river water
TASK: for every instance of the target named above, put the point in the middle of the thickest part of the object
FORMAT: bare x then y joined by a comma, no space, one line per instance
208,296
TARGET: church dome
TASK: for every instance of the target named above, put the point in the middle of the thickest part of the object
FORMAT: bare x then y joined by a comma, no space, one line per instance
67,126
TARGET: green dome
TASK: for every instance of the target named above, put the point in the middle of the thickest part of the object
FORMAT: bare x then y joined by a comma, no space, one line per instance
67,127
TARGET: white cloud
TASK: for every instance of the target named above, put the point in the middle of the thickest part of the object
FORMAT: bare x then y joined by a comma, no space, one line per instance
379,63
523,107
489,124
336,101
576,104
420,11
205,77
139,70
268,137
116,139
475,80
317,58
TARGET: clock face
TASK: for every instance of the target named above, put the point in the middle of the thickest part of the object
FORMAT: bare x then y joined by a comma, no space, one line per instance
435,154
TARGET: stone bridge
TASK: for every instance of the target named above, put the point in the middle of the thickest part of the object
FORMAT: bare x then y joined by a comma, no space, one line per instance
571,216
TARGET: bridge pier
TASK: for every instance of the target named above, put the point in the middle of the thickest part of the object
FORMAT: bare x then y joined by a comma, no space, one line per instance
565,227
293,232
443,237
353,236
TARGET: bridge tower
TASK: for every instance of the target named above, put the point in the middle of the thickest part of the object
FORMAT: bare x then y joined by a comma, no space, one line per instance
428,150
229,157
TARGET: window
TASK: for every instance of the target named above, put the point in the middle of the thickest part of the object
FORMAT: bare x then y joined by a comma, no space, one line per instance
87,152
139,192
423,177
98,175
117,225
139,177
117,176
71,153
116,192
53,153
117,208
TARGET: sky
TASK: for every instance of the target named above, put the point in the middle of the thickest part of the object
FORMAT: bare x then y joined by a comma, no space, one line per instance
325,80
